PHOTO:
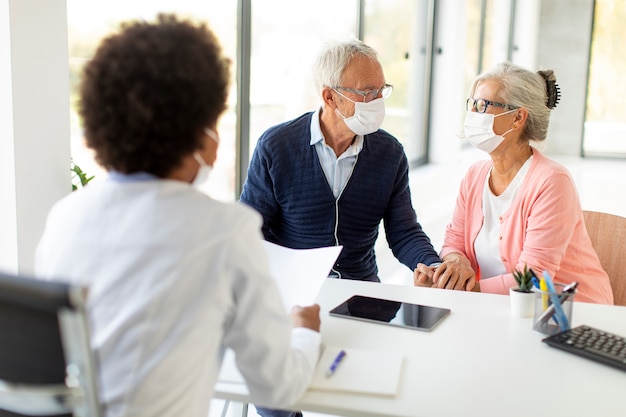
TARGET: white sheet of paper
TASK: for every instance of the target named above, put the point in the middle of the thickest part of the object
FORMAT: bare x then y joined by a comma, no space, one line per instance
300,273
361,371
299,276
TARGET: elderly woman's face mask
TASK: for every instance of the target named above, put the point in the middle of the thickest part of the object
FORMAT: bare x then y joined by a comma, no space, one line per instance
479,130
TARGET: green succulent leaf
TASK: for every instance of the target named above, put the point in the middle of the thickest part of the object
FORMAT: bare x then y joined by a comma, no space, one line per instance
524,278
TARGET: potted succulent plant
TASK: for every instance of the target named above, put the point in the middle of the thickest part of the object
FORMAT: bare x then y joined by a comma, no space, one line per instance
522,296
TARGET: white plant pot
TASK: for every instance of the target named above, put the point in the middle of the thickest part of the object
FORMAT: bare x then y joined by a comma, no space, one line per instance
522,303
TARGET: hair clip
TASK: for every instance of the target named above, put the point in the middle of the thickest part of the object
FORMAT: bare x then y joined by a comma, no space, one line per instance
554,94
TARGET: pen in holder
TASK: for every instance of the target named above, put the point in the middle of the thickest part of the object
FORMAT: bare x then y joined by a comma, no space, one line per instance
553,308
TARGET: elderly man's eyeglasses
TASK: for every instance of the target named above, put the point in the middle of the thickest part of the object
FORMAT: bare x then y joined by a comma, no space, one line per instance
481,105
369,95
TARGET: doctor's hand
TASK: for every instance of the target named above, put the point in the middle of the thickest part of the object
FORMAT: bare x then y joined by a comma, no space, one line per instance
308,317
455,273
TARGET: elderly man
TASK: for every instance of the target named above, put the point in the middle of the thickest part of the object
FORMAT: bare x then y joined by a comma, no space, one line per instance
330,176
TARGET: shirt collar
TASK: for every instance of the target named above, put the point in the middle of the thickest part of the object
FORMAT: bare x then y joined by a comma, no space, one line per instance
316,129
317,136
138,176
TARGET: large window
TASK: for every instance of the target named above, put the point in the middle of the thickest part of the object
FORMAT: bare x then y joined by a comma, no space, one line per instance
89,21
398,30
605,124
489,34
286,38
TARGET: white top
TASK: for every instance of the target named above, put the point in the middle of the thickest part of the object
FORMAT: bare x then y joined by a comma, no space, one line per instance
175,277
487,243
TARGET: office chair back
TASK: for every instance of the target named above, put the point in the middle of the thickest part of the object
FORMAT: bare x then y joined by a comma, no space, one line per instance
46,363
608,237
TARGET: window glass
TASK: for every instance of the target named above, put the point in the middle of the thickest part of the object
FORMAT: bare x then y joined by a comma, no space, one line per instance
605,124
487,39
397,30
286,37
497,21
473,64
89,21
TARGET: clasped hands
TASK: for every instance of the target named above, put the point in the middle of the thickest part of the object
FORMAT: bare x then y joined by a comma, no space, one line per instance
455,273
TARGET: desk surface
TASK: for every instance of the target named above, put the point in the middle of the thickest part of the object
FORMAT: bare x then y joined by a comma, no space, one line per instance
480,361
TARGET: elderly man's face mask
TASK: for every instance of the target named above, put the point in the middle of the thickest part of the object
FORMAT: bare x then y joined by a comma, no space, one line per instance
367,117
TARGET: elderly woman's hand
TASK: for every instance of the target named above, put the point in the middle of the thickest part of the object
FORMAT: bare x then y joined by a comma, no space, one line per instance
454,273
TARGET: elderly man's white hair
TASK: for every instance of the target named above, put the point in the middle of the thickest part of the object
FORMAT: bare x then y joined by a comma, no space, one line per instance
334,59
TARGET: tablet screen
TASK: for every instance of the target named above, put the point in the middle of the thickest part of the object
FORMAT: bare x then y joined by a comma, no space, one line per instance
395,313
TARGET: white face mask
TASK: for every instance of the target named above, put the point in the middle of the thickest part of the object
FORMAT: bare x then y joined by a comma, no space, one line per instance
205,169
203,172
479,130
367,118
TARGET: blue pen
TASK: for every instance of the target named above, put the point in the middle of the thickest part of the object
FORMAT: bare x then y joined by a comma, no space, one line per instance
535,282
558,309
335,364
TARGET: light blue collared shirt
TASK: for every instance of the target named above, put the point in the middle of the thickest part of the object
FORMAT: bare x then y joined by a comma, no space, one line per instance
137,176
337,169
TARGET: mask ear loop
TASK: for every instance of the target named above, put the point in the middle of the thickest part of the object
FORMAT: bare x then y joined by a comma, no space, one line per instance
514,123
337,107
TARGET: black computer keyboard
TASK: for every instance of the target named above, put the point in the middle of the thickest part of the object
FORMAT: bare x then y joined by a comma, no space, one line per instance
593,344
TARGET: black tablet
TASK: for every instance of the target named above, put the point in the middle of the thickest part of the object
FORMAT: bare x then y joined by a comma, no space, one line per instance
395,313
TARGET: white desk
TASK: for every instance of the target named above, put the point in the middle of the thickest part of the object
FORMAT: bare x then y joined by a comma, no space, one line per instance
480,361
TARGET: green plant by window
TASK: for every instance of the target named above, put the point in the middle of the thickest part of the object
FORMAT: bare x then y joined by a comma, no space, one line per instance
79,177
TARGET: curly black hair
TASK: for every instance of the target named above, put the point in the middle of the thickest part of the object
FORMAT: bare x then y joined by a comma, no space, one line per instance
149,92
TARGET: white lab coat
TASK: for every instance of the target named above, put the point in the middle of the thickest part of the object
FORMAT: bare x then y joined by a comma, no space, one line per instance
174,278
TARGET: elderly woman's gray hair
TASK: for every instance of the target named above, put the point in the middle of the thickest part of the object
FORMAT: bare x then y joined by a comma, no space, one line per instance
334,59
535,91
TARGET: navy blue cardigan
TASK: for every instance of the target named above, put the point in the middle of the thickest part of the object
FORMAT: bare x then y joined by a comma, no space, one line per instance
287,185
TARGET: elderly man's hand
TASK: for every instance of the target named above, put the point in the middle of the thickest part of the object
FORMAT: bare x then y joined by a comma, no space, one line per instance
423,276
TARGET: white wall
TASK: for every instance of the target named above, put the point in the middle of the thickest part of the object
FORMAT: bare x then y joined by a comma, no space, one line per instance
34,123
8,229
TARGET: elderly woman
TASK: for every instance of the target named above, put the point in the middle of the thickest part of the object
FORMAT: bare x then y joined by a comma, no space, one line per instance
519,208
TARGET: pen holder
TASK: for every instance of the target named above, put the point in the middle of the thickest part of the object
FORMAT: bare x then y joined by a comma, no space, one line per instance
553,311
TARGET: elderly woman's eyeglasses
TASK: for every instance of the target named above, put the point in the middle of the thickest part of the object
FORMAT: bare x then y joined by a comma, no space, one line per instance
481,105
384,92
